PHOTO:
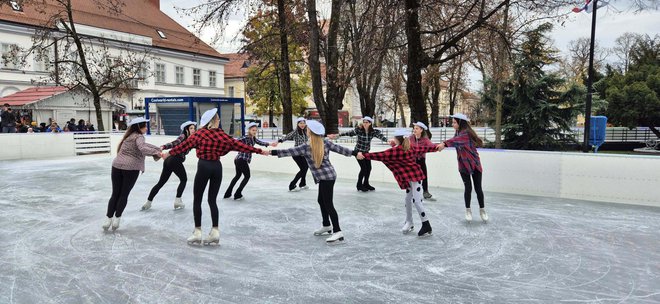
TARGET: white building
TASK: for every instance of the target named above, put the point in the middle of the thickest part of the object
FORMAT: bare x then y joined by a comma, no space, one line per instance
180,63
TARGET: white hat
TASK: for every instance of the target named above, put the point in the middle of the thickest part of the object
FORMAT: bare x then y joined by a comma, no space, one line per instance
187,123
250,125
401,132
371,120
137,121
421,125
207,116
301,119
460,116
316,127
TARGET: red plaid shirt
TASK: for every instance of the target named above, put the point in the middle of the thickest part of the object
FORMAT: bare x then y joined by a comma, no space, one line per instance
466,152
211,144
402,163
420,142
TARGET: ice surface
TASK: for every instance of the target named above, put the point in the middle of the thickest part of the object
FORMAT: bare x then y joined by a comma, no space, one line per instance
534,249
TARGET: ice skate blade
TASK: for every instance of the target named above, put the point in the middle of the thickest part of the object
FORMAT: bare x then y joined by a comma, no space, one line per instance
198,243
323,233
338,241
430,199
238,199
409,230
425,235
304,187
214,243
178,208
294,190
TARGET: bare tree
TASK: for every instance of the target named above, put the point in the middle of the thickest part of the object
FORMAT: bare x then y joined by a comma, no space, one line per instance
575,66
624,44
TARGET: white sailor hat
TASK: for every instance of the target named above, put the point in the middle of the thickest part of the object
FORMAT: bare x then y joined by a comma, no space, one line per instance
316,127
421,125
301,119
367,118
137,121
460,116
250,125
186,124
207,116
401,132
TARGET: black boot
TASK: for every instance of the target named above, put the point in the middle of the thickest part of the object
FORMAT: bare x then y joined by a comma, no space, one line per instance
368,187
361,188
292,186
426,229
238,196
228,193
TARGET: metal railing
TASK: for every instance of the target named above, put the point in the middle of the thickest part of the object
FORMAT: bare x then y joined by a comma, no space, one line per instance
91,142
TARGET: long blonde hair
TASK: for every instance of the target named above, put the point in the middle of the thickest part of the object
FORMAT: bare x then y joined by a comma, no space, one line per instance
404,142
318,149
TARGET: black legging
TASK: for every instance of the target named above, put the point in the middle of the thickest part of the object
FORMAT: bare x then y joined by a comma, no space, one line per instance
171,165
476,177
365,172
302,164
242,168
425,183
328,211
208,171
122,183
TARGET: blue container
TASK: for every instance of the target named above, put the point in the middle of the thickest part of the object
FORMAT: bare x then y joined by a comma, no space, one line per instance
597,131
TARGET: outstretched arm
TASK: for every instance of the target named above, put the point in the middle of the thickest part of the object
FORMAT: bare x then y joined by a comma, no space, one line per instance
145,148
378,134
185,146
295,151
340,149
288,136
261,142
174,143
388,154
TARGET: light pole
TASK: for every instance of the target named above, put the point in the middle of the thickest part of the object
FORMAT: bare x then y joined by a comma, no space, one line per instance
590,82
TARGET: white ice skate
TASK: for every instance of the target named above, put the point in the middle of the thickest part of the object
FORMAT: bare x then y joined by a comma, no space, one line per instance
305,187
107,223
196,237
178,204
146,206
483,214
115,223
337,237
213,238
407,227
323,230
468,215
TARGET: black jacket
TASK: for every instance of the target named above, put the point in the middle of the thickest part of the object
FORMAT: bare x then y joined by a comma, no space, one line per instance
8,119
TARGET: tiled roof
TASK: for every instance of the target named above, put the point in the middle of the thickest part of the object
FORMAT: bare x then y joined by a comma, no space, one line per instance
138,17
237,66
32,95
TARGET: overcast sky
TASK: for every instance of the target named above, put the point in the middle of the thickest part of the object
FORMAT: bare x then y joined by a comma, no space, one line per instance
614,20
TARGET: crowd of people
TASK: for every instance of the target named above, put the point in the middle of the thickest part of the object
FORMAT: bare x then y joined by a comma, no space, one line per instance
12,122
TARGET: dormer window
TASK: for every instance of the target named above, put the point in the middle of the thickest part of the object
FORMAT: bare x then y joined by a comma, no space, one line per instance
161,34
16,6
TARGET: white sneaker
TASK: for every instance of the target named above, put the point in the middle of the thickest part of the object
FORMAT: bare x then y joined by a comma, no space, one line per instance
213,238
196,237
323,230
335,238
483,214
146,206
407,227
468,215
178,204
115,223
107,223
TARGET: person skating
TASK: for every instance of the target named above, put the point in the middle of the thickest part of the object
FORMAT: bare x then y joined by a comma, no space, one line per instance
365,133
316,154
242,162
126,167
299,136
173,165
401,160
420,138
466,142
210,143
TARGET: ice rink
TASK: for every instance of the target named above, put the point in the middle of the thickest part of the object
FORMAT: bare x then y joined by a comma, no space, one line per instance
534,250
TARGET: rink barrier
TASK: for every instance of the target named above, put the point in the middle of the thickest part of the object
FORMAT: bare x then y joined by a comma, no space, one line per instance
89,143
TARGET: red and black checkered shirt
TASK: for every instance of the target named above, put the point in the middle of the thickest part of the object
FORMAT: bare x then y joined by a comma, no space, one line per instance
211,144
466,152
402,163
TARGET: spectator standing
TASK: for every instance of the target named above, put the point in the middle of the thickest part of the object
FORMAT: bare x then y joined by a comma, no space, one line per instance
81,126
8,119
54,128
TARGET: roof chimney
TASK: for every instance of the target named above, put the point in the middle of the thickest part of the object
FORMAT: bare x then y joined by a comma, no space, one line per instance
155,2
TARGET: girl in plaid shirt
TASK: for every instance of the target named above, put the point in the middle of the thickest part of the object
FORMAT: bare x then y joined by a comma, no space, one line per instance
317,155
466,142
401,160
299,136
365,133
242,161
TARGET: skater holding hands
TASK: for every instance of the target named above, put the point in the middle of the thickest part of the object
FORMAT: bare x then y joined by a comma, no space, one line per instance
316,154
401,160
466,142
420,138
126,168
211,143
299,136
242,161
174,165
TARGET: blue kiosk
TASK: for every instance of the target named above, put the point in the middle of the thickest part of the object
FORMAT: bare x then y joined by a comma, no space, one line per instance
172,111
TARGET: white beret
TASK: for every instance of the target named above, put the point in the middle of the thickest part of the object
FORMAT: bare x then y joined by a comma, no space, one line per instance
187,123
401,132
421,125
207,116
316,127
137,121
460,116
371,120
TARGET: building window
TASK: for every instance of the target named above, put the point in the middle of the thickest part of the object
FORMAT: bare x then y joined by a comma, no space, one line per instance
160,73
142,72
180,79
197,77
41,61
231,91
8,56
212,81
161,34
16,6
